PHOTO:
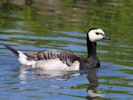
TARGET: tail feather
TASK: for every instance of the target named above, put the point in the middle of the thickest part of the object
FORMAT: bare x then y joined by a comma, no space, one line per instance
23,58
12,49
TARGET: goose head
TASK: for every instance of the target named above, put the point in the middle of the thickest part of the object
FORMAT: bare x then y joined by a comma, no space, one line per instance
96,34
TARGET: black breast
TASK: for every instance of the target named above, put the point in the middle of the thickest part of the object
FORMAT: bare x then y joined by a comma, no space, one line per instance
90,62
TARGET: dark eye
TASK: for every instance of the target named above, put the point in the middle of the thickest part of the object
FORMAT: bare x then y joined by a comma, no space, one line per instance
97,33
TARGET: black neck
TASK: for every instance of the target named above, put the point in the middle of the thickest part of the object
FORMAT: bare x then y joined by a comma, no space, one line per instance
91,48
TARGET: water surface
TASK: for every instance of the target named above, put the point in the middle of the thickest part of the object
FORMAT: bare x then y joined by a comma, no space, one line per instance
57,24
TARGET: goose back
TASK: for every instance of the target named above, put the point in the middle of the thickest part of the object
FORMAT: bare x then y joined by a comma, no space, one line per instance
64,56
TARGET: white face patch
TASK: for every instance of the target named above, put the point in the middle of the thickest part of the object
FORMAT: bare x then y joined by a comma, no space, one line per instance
96,35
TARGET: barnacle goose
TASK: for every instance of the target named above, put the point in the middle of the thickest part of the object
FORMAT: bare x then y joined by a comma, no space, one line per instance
63,60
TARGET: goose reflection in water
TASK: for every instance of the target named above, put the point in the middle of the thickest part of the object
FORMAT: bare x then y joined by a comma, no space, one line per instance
63,76
93,80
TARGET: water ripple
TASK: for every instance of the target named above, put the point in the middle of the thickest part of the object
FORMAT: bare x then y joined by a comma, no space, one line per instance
16,31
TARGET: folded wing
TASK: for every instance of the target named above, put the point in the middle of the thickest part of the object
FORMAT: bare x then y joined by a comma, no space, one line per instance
64,56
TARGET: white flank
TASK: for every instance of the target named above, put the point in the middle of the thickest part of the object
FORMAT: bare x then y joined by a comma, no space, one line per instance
56,64
23,60
52,64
